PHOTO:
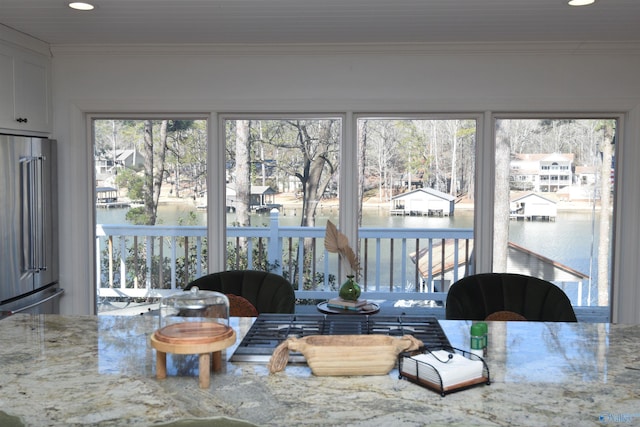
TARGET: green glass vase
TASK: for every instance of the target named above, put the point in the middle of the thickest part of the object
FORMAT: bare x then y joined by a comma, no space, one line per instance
350,290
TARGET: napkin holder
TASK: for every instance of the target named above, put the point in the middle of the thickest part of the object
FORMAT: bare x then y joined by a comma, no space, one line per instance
431,372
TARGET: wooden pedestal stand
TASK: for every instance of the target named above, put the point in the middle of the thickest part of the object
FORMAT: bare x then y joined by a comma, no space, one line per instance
201,338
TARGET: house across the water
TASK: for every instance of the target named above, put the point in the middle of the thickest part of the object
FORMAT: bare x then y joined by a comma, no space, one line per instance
262,199
423,202
107,197
531,207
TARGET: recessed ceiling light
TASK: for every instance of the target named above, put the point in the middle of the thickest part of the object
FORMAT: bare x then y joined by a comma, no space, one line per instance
81,6
581,2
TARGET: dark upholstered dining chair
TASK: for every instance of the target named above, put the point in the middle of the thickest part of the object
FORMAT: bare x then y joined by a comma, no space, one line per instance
477,296
268,292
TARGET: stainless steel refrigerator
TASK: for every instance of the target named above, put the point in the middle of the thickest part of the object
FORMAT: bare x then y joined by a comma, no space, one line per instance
28,226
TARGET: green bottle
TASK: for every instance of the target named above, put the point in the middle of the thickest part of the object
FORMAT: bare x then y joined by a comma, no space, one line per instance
477,339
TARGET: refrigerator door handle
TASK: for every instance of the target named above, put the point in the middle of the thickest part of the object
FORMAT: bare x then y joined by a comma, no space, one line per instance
26,184
35,304
39,215
33,237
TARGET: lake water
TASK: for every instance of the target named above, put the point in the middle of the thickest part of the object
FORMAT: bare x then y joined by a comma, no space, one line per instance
568,240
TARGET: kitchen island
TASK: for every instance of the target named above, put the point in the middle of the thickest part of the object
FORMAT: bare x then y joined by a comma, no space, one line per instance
100,370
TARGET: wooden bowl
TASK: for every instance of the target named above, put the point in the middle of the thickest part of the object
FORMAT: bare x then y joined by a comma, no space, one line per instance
333,355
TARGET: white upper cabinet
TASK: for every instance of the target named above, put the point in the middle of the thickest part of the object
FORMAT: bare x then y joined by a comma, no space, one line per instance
25,90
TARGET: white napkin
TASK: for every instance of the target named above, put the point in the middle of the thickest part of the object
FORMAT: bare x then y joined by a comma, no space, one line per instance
455,371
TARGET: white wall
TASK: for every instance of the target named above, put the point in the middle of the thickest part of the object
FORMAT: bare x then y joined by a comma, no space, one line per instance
481,79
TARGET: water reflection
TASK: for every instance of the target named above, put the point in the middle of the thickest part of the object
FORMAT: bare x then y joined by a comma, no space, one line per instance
540,352
553,352
124,347
519,352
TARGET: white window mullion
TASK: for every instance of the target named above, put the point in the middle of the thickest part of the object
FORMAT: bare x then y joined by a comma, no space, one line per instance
349,203
484,194
216,190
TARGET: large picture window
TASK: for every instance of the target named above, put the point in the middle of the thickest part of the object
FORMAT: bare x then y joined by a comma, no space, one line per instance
403,188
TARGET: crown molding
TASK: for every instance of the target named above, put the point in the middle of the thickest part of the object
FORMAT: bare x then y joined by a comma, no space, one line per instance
558,48
10,36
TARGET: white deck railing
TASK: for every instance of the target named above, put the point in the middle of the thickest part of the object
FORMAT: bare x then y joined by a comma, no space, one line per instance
151,261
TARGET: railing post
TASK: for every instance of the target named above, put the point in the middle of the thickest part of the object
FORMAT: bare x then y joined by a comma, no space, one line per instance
174,257
110,243
123,262
274,256
98,265
149,262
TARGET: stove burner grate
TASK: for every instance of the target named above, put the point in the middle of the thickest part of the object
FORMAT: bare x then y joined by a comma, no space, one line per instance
269,330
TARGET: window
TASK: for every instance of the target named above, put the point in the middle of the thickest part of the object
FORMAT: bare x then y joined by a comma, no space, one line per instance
282,172
416,181
560,229
150,176
404,194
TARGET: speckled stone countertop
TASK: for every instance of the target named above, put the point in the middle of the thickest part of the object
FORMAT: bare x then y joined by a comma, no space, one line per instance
100,370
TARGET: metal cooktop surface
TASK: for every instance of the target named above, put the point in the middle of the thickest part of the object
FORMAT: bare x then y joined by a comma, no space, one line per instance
269,330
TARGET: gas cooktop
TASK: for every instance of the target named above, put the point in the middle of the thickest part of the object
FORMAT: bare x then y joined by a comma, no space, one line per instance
269,330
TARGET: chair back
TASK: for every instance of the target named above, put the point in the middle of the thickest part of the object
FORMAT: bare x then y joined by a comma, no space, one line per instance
477,296
268,292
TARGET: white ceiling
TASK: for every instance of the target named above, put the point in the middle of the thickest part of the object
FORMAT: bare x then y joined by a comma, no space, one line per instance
323,21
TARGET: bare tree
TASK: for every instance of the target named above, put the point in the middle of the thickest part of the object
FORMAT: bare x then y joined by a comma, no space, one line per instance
453,190
362,161
434,153
605,220
154,169
501,203
185,154
242,176
383,161
318,166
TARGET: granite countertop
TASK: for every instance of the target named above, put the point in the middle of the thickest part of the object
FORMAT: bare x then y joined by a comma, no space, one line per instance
100,370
